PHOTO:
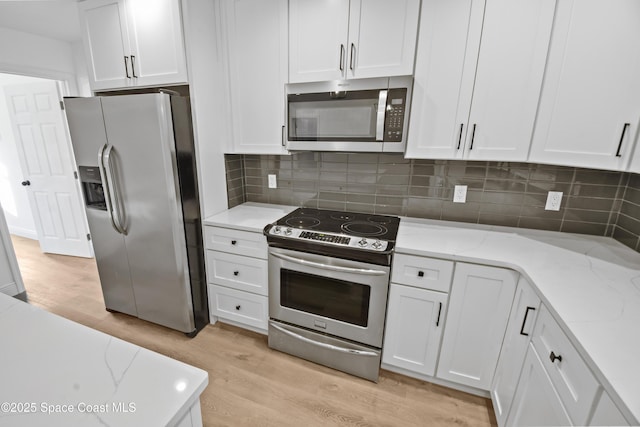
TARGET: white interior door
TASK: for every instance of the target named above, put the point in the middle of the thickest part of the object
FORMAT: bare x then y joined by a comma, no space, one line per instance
47,164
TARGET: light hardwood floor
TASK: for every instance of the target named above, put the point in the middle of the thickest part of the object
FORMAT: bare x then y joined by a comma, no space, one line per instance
249,384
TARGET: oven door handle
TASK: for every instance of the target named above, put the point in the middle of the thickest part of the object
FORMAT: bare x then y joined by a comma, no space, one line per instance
364,271
324,345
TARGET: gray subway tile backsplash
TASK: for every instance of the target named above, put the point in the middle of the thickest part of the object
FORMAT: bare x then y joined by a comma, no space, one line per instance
499,193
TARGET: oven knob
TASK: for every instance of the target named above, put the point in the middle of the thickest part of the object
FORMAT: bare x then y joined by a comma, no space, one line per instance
288,232
276,229
377,244
362,243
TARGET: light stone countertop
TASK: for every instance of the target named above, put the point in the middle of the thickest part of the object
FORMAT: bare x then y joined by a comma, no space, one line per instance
50,361
249,216
591,285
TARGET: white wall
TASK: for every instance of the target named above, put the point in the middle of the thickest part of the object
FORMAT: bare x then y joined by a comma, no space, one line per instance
13,196
32,55
10,278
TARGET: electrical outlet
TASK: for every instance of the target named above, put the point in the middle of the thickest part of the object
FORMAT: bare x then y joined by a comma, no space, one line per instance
554,198
272,181
460,194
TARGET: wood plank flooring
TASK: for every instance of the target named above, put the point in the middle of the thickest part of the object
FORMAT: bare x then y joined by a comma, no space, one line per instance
249,384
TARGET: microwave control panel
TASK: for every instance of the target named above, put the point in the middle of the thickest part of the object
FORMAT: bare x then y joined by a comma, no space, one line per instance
394,117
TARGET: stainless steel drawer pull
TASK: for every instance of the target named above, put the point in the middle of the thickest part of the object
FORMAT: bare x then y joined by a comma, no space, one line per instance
341,66
133,66
624,130
553,357
353,54
126,67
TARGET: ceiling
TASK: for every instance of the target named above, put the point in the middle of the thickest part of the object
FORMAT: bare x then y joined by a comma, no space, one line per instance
56,19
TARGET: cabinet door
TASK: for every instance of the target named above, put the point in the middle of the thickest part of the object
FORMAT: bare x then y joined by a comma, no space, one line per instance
157,48
257,73
606,413
479,306
318,31
382,37
536,402
589,109
106,43
514,348
448,43
415,319
508,79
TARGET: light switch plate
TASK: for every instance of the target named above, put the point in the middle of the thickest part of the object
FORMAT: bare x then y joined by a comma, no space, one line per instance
460,194
272,181
554,198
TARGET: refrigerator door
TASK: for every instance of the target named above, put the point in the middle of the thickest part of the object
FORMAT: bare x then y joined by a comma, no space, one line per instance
143,160
86,126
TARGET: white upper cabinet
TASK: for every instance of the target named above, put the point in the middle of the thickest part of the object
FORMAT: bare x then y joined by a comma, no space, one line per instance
590,104
256,35
340,39
479,70
130,43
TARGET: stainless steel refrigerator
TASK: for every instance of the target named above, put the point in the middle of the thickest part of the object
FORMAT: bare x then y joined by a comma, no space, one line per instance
137,169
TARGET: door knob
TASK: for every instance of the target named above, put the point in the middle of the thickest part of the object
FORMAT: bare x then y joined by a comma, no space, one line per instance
25,183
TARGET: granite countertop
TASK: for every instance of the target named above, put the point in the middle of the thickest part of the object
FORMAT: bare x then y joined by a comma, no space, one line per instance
249,216
591,284
51,366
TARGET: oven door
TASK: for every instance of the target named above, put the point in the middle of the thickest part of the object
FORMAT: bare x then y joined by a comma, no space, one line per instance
339,297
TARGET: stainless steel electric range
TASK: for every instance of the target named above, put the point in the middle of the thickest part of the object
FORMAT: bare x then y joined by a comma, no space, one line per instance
328,286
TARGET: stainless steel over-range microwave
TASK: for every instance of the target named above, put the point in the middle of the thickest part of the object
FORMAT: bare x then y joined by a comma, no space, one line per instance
349,115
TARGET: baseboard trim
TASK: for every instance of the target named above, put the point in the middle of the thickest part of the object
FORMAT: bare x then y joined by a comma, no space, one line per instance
23,232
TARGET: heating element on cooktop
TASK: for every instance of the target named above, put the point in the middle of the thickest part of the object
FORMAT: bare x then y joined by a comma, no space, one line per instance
343,229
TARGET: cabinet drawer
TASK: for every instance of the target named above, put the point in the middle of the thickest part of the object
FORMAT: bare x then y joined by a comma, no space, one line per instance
241,307
569,374
421,272
238,272
238,242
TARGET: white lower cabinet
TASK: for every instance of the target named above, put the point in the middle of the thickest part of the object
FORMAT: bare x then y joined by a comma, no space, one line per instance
514,349
606,413
479,307
237,276
415,320
238,306
416,313
536,402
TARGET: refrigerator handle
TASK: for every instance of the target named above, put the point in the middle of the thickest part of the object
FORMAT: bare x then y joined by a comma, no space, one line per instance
111,196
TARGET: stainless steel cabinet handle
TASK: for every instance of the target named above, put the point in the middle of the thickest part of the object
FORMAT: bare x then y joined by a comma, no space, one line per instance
473,136
133,66
329,267
325,345
341,65
460,136
624,130
116,203
353,55
382,106
524,321
283,136
126,67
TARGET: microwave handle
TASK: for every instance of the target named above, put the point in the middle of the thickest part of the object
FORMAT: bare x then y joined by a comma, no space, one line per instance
382,107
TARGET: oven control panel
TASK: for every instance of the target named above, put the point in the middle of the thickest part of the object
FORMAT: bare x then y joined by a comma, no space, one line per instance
371,244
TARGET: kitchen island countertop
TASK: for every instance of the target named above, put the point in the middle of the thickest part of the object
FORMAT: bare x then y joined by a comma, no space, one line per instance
55,372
